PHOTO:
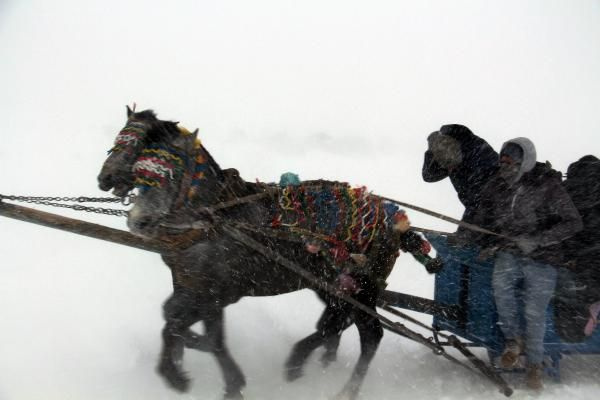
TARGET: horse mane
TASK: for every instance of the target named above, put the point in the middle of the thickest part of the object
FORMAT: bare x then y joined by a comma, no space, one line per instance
145,115
232,185
160,130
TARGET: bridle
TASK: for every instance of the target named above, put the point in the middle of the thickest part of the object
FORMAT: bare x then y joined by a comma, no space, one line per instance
132,133
162,163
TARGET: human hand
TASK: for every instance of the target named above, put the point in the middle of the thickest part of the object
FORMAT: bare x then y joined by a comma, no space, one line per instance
571,264
486,253
401,222
527,244
359,259
434,265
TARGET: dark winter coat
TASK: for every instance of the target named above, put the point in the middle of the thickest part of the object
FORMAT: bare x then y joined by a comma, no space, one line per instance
479,163
579,285
536,208
583,185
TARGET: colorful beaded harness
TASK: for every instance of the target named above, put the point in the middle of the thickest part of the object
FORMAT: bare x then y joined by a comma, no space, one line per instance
129,137
156,165
348,218
159,163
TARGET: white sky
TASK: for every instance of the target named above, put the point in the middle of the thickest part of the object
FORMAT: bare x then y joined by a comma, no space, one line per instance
344,90
352,82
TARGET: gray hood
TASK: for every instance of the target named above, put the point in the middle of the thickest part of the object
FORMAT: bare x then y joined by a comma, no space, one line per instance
529,154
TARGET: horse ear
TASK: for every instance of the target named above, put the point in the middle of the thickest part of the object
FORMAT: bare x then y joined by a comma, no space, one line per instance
129,111
192,139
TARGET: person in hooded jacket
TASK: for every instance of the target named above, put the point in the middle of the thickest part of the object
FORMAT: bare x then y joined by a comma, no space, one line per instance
469,161
526,205
577,298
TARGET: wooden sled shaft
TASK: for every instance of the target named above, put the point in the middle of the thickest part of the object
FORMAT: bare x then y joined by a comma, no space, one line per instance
84,228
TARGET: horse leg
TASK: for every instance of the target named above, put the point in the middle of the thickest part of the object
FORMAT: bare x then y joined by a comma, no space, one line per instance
331,347
232,374
371,332
329,328
333,342
196,341
179,315
339,323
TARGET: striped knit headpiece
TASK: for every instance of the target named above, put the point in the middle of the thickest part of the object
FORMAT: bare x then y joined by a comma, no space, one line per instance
157,165
130,135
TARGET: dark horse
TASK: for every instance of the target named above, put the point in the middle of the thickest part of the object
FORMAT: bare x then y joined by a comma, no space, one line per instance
177,179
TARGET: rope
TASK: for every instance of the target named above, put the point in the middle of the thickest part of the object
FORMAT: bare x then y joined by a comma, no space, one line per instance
232,203
444,217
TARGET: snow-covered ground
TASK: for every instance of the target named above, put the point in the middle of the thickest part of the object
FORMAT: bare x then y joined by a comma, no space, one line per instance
334,89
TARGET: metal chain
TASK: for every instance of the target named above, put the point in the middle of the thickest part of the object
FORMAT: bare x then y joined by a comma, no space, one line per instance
52,202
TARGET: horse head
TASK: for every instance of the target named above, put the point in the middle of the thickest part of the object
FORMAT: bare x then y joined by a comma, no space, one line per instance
162,174
141,128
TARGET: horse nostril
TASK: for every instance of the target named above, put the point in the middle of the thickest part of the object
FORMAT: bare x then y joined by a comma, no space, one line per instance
104,182
143,223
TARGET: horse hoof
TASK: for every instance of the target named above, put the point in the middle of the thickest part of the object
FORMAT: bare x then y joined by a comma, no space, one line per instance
327,359
293,373
345,395
233,395
175,378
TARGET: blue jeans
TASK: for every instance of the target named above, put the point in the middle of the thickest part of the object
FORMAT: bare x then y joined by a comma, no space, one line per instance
538,281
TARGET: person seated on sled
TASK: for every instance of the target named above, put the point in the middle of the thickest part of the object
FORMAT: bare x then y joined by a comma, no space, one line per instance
577,299
469,161
526,204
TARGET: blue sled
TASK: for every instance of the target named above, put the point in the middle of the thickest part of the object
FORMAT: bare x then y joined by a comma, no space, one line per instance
466,283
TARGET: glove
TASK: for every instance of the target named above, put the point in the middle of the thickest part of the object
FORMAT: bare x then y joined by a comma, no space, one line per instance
425,247
447,152
432,138
434,265
527,244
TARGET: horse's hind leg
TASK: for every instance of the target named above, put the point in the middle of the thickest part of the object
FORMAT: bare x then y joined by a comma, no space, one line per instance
335,324
232,375
331,347
179,315
371,332
329,328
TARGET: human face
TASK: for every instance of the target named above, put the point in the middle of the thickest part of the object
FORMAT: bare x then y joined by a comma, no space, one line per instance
509,168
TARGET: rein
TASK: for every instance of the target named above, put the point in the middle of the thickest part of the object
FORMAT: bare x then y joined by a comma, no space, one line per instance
270,191
202,224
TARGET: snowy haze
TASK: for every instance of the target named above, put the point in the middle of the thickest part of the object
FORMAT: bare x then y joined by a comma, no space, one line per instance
341,90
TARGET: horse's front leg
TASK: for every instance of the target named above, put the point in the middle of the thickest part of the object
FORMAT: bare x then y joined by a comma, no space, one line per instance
197,341
335,318
179,316
232,374
331,347
371,332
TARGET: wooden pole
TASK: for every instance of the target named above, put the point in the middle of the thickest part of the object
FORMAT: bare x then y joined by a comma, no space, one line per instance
98,231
